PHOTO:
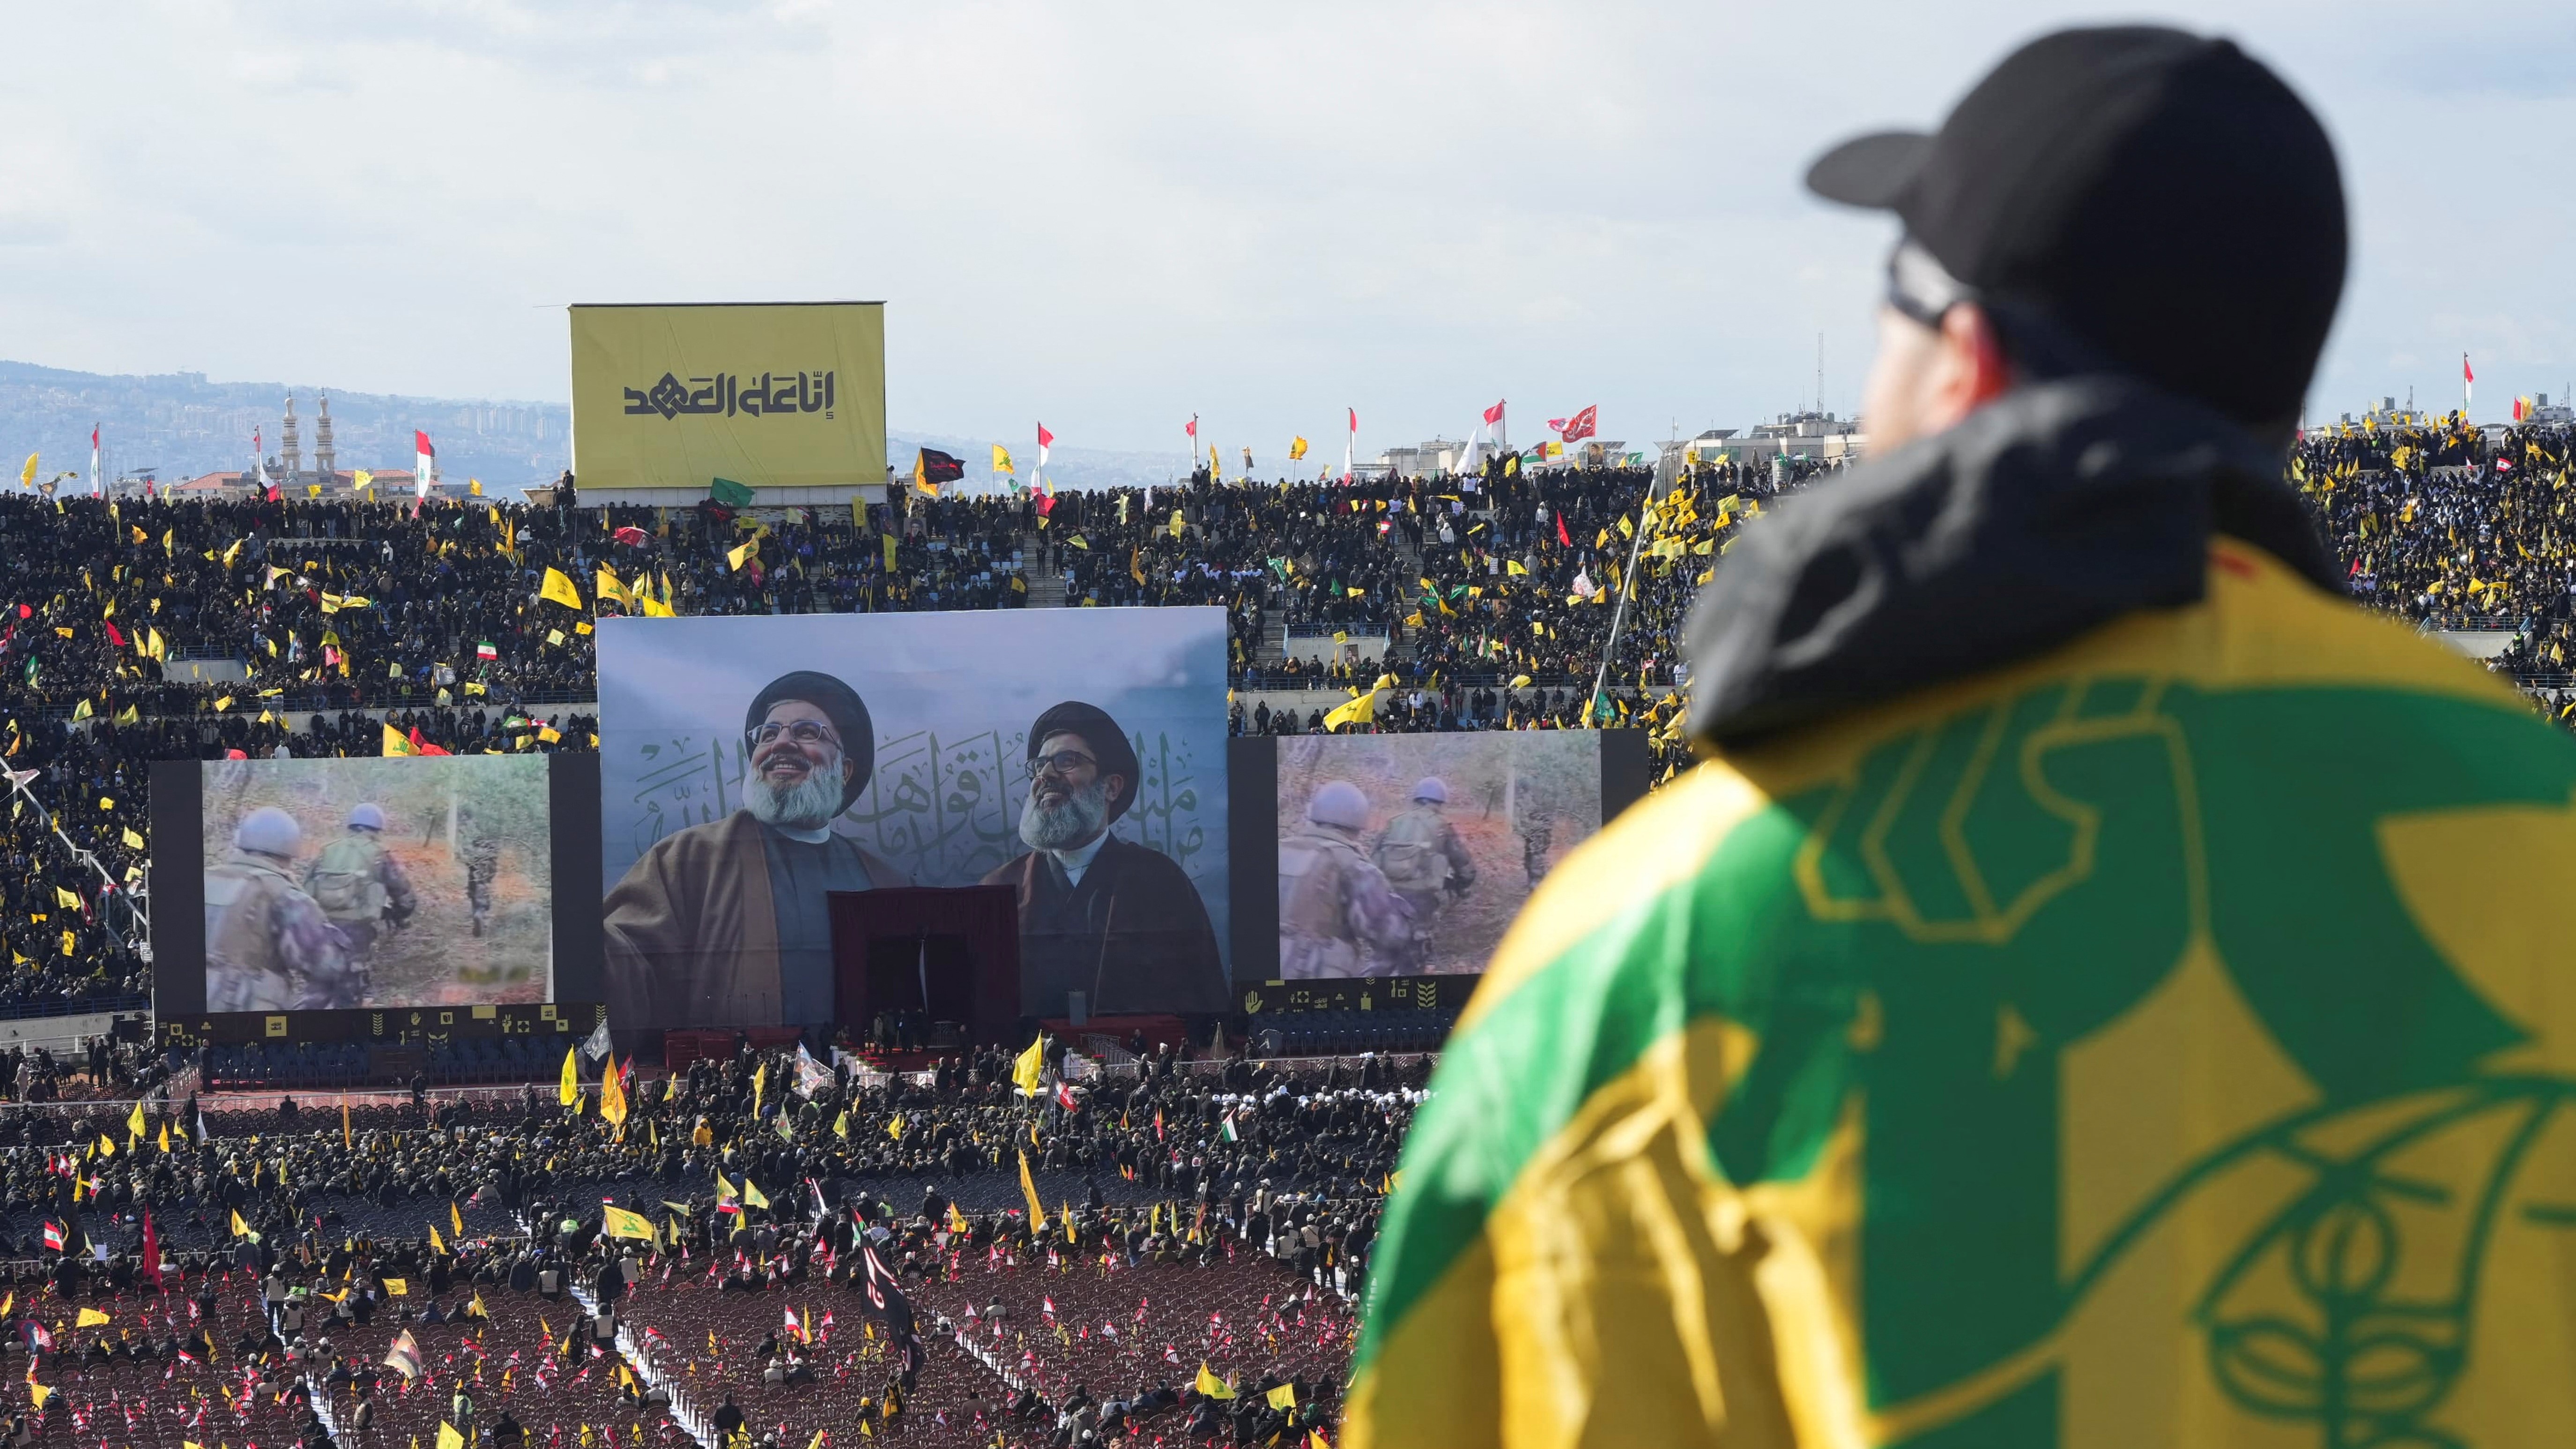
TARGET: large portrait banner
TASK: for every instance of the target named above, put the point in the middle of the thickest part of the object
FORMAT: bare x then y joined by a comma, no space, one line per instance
751,765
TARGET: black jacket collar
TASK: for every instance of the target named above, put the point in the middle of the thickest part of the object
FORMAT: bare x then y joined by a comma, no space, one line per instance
2052,510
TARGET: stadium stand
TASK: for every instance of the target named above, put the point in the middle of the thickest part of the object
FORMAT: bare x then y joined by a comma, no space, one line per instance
1191,1214
1230,1204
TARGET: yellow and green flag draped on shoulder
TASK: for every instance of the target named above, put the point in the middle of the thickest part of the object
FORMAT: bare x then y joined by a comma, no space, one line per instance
2169,1039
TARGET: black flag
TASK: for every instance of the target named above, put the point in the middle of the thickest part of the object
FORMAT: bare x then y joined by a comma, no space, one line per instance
886,1295
934,467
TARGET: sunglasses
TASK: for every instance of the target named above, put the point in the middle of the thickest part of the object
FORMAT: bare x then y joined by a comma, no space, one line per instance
1920,288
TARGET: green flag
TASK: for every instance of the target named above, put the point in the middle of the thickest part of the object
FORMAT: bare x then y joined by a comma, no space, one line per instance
731,494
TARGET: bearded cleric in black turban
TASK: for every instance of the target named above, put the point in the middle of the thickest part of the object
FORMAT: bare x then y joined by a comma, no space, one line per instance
1110,917
725,923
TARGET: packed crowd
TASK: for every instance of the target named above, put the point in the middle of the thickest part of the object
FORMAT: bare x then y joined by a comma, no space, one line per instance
1491,600
2452,527
1056,1251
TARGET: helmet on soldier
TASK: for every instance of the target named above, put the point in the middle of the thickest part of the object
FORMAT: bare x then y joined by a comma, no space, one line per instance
368,816
1430,788
1339,802
270,831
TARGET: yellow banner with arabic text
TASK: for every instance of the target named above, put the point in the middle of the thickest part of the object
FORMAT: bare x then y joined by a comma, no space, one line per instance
775,396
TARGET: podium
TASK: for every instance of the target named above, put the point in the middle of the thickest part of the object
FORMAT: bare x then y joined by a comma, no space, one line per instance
952,954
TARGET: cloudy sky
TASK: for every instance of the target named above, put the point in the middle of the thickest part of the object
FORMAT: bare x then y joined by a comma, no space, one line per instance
1113,216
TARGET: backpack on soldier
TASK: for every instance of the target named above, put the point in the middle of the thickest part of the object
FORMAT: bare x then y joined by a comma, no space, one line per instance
344,880
1409,854
1310,889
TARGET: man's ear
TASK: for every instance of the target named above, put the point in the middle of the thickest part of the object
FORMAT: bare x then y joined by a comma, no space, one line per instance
1118,796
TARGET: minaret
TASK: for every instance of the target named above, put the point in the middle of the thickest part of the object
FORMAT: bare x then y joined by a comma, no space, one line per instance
290,451
325,461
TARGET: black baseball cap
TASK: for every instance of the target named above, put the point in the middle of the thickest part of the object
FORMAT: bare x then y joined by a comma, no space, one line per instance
2161,196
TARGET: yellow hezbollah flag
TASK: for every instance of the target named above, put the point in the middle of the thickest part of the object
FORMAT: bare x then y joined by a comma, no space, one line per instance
569,1090
1296,449
612,1095
741,553
396,743
751,1194
1002,460
1029,1189
623,1224
606,585
785,396
1210,1386
1025,1070
90,1318
1361,710
559,588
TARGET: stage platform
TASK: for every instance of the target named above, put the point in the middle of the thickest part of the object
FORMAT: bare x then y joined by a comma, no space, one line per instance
1158,1030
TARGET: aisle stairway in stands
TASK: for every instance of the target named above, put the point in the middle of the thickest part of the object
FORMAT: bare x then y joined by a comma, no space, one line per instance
1045,577
1400,648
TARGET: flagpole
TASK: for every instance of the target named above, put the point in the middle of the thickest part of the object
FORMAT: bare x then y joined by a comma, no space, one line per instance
1665,469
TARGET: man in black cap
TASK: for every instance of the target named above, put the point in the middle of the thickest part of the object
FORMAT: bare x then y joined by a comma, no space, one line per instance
2008,1035
724,924
1112,918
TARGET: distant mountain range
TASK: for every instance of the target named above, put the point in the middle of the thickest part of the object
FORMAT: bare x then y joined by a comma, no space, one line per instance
179,426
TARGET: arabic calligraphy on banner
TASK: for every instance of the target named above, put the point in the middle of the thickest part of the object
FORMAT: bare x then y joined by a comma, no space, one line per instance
669,398
947,808
725,394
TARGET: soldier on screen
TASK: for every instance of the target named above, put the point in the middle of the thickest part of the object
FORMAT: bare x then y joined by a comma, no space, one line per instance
1424,860
482,867
361,888
1534,840
1337,914
268,945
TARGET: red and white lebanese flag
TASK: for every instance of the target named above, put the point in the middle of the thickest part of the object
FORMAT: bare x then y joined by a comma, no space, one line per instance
424,459
1193,431
1046,440
1494,415
53,1237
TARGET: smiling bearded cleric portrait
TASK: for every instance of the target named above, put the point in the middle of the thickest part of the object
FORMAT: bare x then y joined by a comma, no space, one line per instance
726,924
1115,919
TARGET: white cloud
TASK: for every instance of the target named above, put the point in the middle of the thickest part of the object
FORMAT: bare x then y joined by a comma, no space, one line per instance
1117,215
